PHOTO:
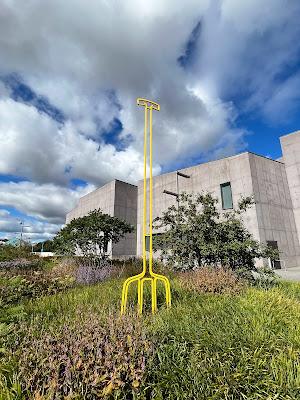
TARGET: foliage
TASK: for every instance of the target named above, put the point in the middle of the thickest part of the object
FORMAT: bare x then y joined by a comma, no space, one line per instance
9,252
16,289
266,278
87,356
212,280
90,234
19,264
25,279
197,234
205,347
47,246
91,270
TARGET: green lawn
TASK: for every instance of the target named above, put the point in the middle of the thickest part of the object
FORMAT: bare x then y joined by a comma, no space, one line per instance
206,346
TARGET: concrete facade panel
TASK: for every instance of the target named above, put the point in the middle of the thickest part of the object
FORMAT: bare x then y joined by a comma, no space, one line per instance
291,156
273,206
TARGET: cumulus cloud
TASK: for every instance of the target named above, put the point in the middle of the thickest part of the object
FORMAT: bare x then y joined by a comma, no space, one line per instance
33,230
92,60
36,147
46,202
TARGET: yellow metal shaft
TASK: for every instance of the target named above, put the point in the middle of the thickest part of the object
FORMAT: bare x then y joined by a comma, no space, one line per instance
147,273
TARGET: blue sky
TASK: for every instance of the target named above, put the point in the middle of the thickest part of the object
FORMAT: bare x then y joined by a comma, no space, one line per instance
226,74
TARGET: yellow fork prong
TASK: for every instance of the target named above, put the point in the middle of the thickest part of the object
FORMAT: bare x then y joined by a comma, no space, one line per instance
167,287
140,295
125,291
154,295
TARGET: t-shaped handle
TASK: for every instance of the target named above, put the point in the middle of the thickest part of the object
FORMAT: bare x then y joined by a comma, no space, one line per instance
148,104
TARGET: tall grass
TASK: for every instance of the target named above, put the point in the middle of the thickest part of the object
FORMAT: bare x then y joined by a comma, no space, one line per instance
207,346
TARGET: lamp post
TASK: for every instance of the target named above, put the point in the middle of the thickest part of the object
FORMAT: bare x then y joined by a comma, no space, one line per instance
178,173
21,232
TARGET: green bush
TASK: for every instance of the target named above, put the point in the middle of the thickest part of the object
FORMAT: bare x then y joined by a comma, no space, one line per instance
24,279
15,289
197,234
9,252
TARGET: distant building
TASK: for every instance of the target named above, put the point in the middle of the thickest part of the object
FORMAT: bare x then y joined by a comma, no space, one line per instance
275,185
117,199
14,241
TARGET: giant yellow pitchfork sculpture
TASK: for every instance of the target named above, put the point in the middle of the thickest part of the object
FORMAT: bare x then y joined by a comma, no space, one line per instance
147,273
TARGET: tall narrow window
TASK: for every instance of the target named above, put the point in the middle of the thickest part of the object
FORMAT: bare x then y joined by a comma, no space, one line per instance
147,242
226,195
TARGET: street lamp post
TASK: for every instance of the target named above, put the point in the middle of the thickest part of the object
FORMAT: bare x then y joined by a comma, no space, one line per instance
178,173
21,232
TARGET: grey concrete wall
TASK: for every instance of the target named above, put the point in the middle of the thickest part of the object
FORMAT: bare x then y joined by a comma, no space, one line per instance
204,177
102,197
113,199
125,207
274,207
291,156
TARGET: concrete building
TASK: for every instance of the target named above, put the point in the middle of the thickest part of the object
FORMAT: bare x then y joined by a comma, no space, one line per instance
275,185
117,199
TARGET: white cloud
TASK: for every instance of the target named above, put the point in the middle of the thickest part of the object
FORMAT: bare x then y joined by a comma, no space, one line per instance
4,213
125,46
93,59
36,147
46,202
33,230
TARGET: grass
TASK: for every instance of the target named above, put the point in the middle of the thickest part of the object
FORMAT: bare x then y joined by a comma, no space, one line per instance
207,346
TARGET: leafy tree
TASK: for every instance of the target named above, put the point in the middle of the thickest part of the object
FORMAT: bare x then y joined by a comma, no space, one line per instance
91,234
47,245
196,234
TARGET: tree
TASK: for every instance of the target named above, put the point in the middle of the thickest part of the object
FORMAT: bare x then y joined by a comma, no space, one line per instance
197,234
91,234
47,246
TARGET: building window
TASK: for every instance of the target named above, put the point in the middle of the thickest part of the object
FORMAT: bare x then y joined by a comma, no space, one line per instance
147,240
226,195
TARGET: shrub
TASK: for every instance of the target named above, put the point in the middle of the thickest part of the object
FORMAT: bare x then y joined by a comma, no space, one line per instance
85,358
91,270
91,234
64,266
23,279
197,234
21,266
212,280
10,252
15,289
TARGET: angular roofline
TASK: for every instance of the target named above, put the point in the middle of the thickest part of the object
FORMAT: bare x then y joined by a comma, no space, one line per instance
218,159
267,158
288,134
100,187
127,183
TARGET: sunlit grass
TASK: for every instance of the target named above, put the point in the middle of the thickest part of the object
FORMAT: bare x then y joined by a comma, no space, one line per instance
243,346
